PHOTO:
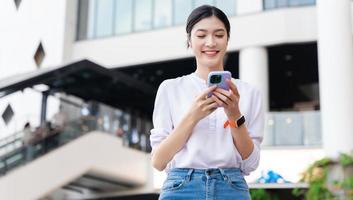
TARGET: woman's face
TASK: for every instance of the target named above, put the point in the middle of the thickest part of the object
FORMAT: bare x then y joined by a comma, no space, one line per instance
209,41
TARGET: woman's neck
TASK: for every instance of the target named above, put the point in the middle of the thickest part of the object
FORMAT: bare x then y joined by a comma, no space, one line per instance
203,72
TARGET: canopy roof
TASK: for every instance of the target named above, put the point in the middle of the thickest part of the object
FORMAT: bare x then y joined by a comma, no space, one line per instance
88,81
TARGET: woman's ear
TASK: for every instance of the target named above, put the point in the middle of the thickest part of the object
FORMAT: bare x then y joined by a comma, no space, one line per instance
189,43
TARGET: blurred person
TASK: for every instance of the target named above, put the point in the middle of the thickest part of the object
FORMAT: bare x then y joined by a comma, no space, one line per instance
53,128
27,133
119,132
206,144
27,140
59,119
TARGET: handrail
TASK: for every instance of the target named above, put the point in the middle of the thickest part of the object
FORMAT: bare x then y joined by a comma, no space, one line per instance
47,140
5,140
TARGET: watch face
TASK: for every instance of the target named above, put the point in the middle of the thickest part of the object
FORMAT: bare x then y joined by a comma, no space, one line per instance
240,121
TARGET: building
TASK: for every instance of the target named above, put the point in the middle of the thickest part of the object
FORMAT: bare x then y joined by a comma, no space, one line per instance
284,47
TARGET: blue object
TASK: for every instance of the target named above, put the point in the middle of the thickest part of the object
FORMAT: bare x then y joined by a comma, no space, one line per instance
271,177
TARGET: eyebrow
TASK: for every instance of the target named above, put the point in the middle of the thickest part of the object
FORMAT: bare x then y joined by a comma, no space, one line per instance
217,30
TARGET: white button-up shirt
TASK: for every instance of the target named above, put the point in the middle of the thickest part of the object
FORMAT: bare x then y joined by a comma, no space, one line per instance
210,144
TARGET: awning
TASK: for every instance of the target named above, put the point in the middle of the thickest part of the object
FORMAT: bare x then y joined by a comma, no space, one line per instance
90,82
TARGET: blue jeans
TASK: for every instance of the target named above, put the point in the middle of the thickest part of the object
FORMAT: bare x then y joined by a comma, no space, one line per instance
207,184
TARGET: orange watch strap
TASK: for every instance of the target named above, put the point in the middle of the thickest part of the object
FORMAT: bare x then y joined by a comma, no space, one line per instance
234,123
230,123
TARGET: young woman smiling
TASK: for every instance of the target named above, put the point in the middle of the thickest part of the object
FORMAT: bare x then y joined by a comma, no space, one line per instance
203,158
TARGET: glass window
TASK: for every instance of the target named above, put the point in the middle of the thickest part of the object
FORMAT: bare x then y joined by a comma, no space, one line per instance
301,2
123,16
198,3
295,2
227,6
143,15
182,9
282,3
104,21
91,19
85,20
309,2
269,4
162,13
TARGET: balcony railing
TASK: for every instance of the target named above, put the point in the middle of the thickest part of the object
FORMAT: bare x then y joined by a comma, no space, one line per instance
14,151
293,129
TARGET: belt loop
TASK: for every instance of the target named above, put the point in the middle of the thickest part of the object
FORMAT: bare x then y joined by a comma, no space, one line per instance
224,175
188,176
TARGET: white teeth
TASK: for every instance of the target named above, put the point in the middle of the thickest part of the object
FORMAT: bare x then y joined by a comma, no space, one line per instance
210,52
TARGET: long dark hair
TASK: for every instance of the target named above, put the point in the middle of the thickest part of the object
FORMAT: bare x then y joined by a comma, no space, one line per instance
202,12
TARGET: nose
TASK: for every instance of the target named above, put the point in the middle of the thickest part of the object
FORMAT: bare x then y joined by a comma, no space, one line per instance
210,42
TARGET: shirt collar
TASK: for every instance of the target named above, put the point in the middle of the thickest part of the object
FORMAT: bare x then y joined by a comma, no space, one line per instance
197,78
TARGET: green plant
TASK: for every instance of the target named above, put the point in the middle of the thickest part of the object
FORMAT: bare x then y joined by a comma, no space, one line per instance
347,185
346,160
262,194
317,175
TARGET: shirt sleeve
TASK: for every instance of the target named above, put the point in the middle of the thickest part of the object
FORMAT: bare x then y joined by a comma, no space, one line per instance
256,131
162,119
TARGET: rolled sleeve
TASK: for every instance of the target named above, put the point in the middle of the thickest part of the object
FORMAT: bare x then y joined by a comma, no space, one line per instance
256,131
252,162
162,120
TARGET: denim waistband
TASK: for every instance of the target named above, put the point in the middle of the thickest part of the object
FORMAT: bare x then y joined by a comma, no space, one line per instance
225,173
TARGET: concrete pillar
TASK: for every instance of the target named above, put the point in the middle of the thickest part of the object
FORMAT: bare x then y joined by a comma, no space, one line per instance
335,49
253,68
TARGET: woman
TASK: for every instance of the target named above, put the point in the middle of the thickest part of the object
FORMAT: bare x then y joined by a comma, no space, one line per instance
203,143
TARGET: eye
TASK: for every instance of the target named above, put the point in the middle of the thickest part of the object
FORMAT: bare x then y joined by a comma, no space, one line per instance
200,36
219,36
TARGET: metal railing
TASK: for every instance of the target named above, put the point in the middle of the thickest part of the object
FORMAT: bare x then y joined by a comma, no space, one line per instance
16,152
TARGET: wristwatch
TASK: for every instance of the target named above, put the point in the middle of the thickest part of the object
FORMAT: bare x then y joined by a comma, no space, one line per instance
235,123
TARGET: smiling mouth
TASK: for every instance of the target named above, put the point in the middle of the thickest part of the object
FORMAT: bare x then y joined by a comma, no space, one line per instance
210,52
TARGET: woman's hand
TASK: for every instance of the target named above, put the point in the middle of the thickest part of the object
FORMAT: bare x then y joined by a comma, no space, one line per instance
203,105
176,140
229,100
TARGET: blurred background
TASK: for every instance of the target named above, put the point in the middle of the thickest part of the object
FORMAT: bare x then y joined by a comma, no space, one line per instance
78,80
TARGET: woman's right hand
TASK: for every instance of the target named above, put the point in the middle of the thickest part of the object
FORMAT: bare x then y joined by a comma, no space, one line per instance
203,105
176,140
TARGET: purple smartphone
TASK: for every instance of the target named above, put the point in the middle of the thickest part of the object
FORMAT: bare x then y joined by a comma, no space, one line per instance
218,78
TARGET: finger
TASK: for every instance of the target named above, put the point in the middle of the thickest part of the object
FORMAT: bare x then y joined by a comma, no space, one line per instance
205,92
208,101
202,103
212,106
219,102
226,93
221,97
233,87
211,110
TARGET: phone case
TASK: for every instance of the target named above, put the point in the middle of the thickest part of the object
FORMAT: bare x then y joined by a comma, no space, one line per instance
222,84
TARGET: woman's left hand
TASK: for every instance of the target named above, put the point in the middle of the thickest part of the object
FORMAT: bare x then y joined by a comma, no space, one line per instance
229,100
